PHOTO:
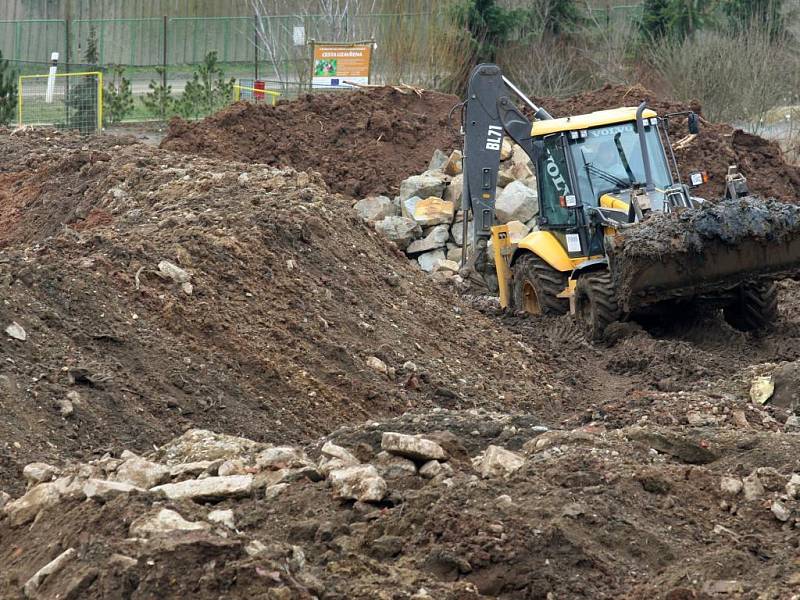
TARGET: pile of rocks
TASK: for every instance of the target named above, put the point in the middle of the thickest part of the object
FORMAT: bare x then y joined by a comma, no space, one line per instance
201,489
203,466
426,220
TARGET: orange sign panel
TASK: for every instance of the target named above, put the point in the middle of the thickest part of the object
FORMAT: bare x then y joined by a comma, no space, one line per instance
336,63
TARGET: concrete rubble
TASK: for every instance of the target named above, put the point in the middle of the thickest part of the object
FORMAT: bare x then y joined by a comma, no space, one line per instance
208,501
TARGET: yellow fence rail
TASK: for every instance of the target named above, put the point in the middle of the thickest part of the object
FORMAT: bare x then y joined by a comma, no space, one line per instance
76,101
254,94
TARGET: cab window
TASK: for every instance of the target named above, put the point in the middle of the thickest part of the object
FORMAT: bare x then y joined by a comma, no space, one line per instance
553,182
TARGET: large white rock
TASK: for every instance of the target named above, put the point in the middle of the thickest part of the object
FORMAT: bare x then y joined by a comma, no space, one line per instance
520,157
781,511
38,472
104,490
730,486
201,444
517,231
753,488
438,161
436,238
524,174
431,469
282,457
423,186
360,482
391,466
507,149
430,260
25,508
327,464
498,462
411,446
223,517
400,230
234,466
454,254
793,487
142,473
455,190
457,231
210,488
504,176
447,267
16,331
453,166
517,202
174,272
408,205
31,587
335,451
375,208
163,522
433,211
191,468
70,487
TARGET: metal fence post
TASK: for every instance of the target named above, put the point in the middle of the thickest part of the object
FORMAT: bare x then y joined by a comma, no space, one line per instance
164,63
255,46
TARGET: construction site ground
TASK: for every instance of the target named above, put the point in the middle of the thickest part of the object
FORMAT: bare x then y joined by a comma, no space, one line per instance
223,282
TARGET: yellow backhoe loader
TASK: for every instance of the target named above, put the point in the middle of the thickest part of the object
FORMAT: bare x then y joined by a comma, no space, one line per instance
618,231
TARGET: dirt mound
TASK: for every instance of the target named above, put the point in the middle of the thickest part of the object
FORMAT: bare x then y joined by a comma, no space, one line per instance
716,147
367,142
362,143
160,291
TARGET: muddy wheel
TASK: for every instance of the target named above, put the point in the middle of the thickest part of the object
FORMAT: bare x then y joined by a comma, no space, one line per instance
536,287
596,304
755,307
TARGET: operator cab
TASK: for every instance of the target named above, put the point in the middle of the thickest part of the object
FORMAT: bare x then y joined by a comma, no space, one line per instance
593,172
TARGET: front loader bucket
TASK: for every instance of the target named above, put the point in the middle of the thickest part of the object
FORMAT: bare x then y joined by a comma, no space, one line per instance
704,252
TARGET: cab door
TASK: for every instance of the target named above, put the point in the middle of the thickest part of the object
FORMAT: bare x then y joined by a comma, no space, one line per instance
560,210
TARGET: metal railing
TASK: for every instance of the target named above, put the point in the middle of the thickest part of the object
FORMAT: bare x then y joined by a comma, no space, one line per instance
251,94
68,101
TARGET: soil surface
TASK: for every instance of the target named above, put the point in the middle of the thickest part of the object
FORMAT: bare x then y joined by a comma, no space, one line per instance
147,291
364,142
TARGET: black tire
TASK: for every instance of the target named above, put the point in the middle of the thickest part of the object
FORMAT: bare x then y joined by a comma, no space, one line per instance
596,304
536,287
755,307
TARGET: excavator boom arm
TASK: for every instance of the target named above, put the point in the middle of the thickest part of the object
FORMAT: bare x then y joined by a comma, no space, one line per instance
490,115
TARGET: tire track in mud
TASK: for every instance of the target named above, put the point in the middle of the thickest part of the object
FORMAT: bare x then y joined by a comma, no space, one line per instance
692,353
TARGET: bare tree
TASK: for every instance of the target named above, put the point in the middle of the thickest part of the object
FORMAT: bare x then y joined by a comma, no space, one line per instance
328,20
607,46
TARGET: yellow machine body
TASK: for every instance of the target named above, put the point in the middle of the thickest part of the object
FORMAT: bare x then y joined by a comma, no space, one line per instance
587,121
545,244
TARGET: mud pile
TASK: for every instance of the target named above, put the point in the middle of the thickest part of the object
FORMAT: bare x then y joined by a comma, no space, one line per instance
367,142
729,222
158,291
361,143
716,147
